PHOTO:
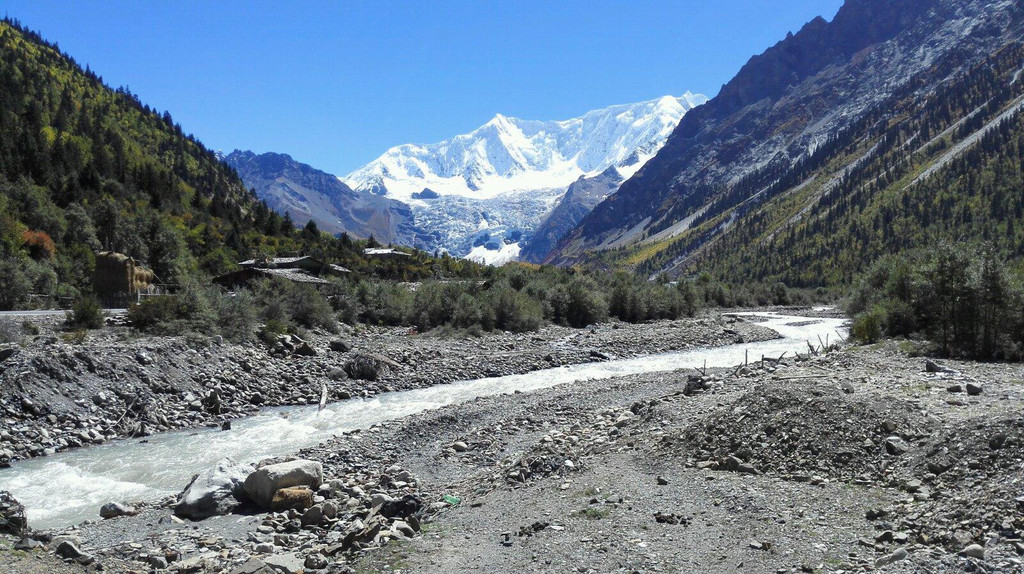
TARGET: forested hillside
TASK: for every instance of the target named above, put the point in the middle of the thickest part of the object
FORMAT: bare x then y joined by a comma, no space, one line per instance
84,168
920,167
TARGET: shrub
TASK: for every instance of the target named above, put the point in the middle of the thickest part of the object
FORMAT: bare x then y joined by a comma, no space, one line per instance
86,313
15,284
584,305
154,312
514,311
237,316
75,337
308,308
868,325
29,328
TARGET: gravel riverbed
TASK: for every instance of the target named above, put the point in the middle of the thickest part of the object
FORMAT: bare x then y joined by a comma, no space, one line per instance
855,460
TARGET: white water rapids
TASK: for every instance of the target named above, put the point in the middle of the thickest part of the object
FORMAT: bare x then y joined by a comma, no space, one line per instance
69,487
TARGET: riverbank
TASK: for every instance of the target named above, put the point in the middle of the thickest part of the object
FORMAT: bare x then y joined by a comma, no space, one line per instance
57,393
858,460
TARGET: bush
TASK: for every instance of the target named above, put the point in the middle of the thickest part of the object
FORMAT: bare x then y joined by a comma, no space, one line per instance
15,284
154,313
308,308
515,312
583,304
868,325
237,316
86,313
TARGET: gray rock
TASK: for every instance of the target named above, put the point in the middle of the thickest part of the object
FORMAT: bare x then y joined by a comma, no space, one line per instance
339,346
974,551
115,509
67,549
313,516
12,515
368,366
27,544
305,350
288,563
315,562
896,446
460,446
261,485
215,491
253,566
974,389
899,554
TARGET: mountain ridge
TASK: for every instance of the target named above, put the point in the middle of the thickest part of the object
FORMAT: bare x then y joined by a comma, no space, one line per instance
306,193
509,154
704,205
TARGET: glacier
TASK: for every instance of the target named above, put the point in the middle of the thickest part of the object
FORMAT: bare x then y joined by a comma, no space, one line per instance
511,155
483,194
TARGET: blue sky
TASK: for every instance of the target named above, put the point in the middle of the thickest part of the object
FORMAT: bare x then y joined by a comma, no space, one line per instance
335,84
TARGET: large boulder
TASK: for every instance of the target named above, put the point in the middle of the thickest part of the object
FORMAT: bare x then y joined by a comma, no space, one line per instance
12,515
369,366
215,491
261,485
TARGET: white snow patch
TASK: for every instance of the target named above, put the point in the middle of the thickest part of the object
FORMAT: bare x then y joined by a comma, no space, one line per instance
508,252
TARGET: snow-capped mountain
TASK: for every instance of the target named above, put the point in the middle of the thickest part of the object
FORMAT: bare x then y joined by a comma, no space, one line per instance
487,190
510,154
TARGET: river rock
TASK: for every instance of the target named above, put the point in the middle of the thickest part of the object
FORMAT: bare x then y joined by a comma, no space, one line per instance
215,491
7,354
315,562
115,509
313,516
974,551
253,566
291,498
289,563
339,346
67,549
305,350
12,515
261,485
368,366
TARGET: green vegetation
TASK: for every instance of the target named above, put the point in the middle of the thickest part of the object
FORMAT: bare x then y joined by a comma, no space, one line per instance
595,513
514,298
87,313
960,298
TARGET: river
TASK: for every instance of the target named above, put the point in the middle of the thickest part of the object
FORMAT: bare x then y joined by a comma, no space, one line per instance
69,487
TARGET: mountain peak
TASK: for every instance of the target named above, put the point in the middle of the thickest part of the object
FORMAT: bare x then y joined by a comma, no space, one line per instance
508,154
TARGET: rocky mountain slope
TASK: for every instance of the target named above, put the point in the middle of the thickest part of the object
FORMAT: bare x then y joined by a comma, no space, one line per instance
306,193
773,124
578,201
